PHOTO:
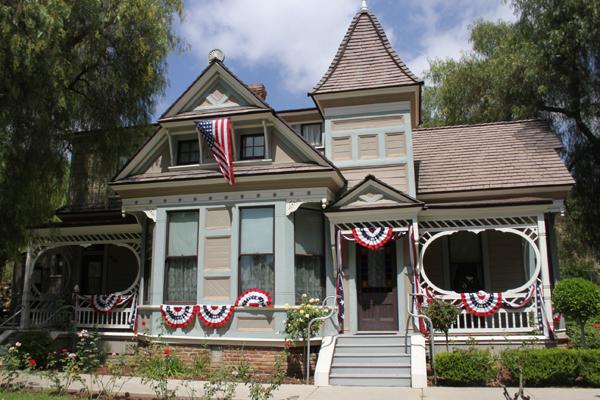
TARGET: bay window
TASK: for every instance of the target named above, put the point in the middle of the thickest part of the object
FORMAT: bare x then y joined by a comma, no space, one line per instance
256,257
309,252
181,264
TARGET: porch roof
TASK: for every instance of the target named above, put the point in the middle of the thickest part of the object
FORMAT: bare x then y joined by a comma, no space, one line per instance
499,155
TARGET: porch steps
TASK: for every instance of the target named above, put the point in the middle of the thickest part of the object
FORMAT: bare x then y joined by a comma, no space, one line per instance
371,360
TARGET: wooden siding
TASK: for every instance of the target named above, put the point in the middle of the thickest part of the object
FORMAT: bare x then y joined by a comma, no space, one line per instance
217,218
217,253
392,175
362,123
255,323
216,288
341,149
506,259
395,144
368,148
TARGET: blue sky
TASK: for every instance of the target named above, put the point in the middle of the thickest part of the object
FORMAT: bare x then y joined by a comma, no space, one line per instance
288,44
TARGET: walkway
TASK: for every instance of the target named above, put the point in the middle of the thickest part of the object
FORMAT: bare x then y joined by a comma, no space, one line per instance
304,392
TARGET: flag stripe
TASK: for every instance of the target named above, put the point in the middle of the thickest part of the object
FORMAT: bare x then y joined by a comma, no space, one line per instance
217,134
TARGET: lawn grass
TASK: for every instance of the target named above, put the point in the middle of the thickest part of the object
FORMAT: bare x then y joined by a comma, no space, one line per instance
30,396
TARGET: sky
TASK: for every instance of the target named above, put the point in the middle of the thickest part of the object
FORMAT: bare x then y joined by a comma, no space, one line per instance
288,44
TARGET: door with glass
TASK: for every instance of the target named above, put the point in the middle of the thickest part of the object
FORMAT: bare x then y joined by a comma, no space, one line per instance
377,288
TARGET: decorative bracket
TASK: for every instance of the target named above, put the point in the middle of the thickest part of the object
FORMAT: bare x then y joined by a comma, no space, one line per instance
151,214
292,205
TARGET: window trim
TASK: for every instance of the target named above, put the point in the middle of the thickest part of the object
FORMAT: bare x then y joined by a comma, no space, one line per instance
167,257
253,135
177,156
240,254
322,256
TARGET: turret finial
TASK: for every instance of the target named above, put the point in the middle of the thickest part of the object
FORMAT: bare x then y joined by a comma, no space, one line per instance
364,5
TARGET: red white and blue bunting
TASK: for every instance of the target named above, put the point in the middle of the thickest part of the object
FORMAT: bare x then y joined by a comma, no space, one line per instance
372,238
177,316
254,298
105,303
481,304
215,316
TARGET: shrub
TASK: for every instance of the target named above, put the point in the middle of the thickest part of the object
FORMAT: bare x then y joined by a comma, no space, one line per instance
552,367
579,300
471,367
443,316
591,332
296,324
37,344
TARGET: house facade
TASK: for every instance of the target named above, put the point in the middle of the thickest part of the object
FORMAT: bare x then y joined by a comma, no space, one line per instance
350,197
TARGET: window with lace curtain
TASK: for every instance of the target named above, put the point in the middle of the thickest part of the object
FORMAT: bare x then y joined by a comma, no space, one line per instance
181,264
256,257
309,251
313,134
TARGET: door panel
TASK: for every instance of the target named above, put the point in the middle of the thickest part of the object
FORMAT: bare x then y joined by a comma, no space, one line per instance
377,288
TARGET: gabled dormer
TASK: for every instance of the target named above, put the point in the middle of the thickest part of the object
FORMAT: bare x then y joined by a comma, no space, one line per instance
370,102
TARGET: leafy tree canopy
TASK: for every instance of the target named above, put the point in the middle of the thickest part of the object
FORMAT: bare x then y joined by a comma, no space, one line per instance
544,65
71,66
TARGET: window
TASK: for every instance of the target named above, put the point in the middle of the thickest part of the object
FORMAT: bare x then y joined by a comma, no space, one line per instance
256,260
313,134
309,248
181,265
466,262
188,152
252,147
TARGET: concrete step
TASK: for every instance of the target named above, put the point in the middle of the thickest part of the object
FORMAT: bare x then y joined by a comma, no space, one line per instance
356,379
370,348
370,369
389,358
373,339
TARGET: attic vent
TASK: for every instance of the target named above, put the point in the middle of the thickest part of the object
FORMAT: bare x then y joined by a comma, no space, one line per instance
259,90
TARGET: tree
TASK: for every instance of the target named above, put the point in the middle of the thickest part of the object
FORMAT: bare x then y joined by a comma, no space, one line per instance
545,65
443,316
70,66
577,299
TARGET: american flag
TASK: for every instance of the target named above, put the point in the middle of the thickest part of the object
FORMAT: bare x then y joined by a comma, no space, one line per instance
217,134
339,282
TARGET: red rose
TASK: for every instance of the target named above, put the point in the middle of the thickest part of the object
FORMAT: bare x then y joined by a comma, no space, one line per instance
287,344
31,362
143,322
166,351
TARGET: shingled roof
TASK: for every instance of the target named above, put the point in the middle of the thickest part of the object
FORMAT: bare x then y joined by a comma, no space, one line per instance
365,60
488,156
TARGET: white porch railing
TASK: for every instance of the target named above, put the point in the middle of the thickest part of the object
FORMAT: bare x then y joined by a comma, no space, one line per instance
48,316
118,318
504,321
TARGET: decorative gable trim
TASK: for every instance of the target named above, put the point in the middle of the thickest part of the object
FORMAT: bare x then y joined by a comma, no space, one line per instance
372,192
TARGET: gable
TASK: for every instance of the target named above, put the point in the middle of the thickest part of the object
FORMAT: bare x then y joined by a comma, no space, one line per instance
218,94
371,193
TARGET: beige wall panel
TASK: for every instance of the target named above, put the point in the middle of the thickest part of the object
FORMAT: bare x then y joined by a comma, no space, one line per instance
217,253
395,144
255,323
341,148
216,289
281,153
218,218
392,175
433,263
161,162
368,147
361,123
505,260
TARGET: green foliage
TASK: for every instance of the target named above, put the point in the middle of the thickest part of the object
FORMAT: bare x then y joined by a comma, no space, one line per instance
90,355
591,332
298,318
14,361
442,315
156,364
577,299
69,66
552,367
31,396
546,64
471,367
38,344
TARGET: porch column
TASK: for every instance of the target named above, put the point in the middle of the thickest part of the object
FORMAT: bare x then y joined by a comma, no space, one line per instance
26,304
545,270
415,266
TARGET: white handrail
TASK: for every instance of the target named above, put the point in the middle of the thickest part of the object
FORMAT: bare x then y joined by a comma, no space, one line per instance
323,318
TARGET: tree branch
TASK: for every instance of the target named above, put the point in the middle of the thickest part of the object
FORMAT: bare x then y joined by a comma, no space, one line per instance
581,125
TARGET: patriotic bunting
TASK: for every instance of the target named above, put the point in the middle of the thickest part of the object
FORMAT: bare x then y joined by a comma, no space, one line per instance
215,316
105,303
177,316
254,298
481,304
372,238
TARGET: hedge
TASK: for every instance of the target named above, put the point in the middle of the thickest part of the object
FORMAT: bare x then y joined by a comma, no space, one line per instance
553,367
465,367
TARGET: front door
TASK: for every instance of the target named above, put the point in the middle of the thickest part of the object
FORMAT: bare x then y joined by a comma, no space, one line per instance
377,288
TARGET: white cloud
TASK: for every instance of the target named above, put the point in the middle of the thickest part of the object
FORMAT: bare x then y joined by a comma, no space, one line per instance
298,36
444,27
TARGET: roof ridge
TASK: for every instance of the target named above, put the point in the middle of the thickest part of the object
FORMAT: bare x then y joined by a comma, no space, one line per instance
384,42
433,128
